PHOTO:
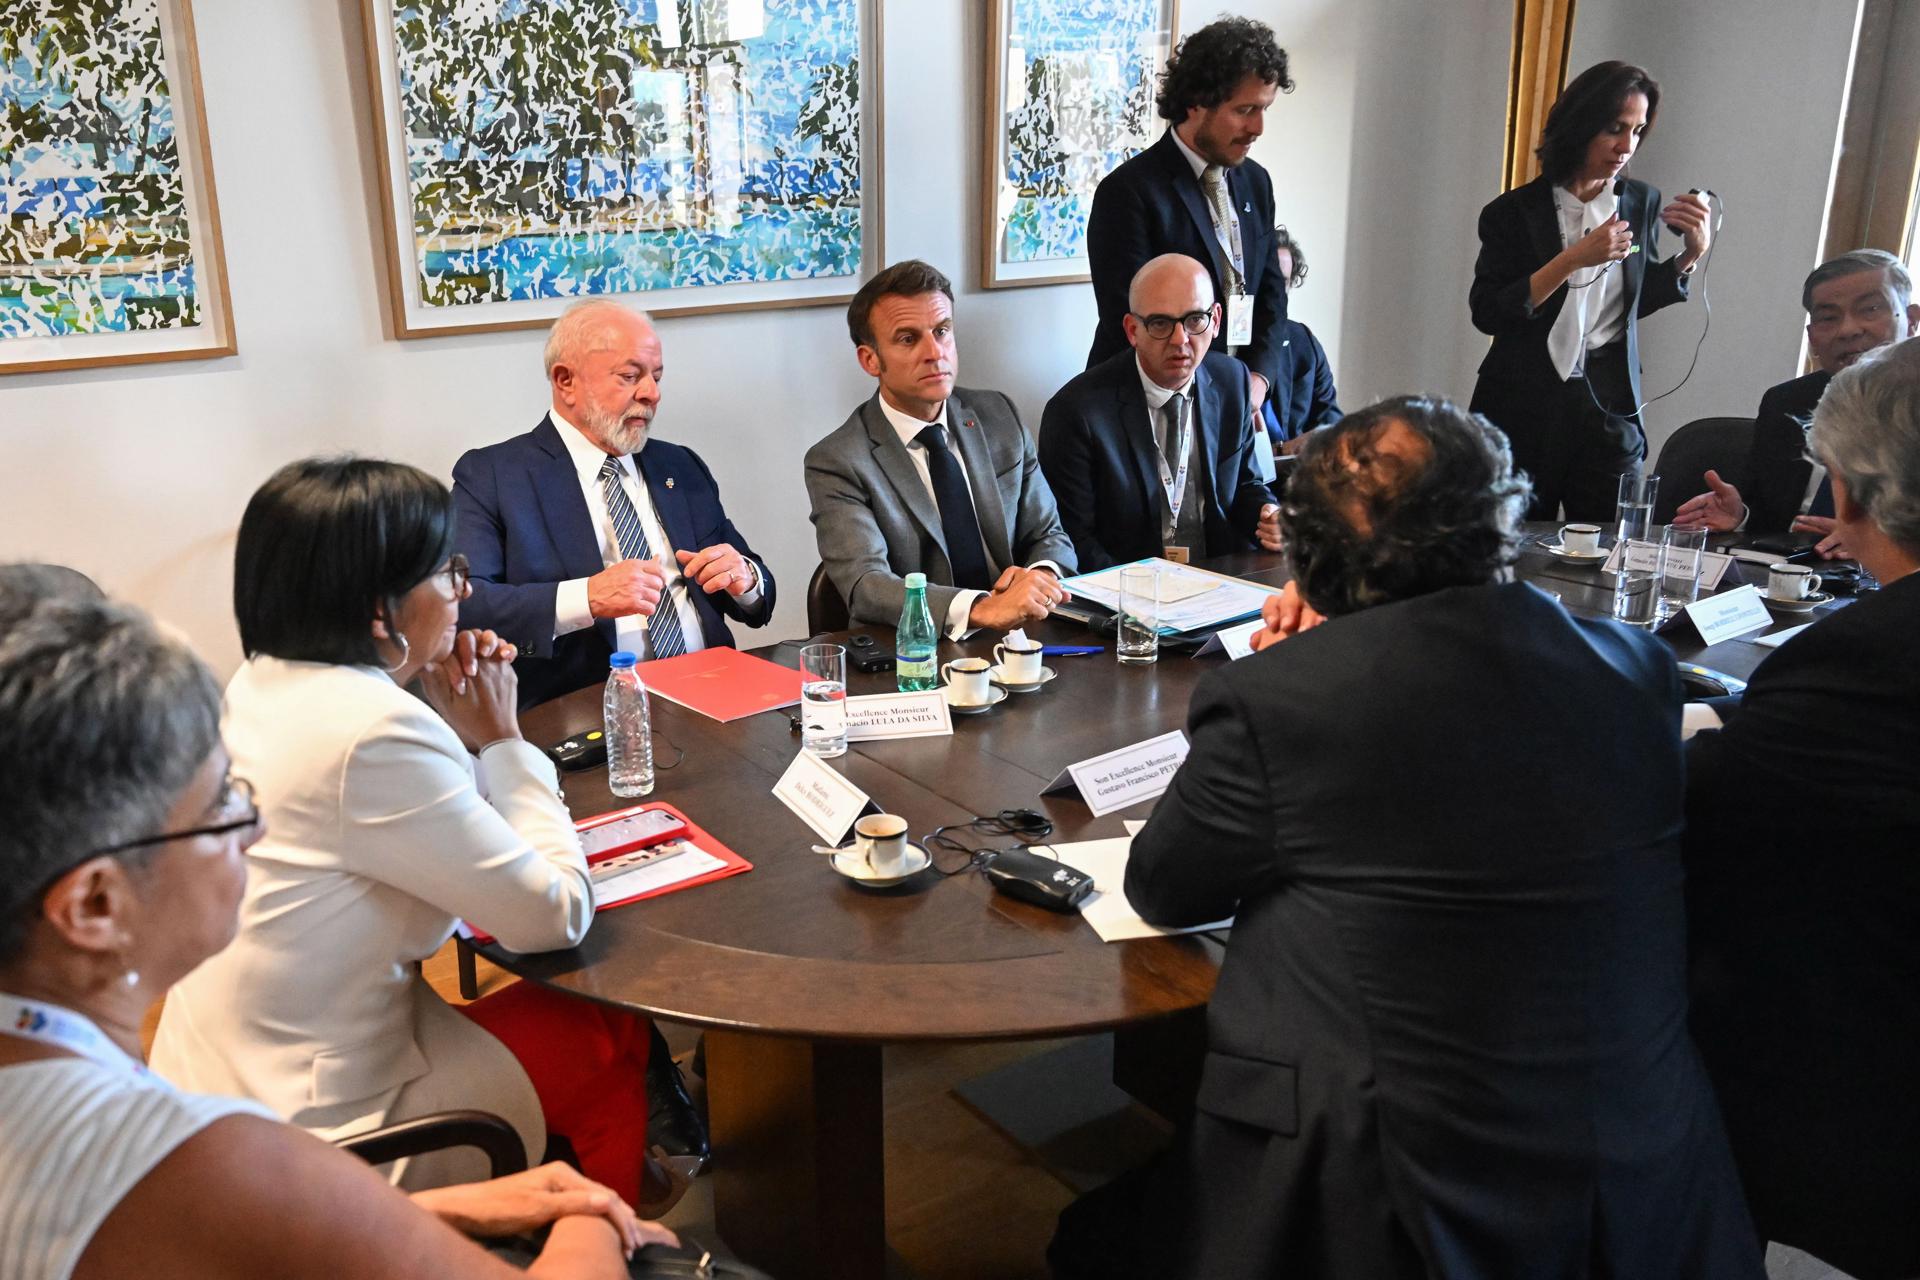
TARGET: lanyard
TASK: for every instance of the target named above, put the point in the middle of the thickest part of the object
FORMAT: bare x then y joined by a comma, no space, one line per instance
51,1024
1175,482
1229,234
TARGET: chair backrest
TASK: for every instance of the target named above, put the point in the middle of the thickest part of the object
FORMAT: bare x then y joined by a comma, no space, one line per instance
826,611
1718,444
496,1139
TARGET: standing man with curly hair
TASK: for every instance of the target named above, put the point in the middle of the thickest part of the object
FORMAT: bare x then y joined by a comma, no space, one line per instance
1196,192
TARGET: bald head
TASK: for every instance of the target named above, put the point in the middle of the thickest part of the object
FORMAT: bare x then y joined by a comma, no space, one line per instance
604,365
1171,318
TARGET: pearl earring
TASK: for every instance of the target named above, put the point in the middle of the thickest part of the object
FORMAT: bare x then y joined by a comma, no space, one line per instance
132,978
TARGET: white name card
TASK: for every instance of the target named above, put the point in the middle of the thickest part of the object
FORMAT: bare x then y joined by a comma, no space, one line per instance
1235,641
822,798
898,715
1645,558
1729,614
1124,777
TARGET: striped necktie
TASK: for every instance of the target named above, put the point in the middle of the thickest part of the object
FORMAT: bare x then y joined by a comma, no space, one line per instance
664,630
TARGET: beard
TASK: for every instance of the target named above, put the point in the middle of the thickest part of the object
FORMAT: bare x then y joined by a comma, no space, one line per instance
614,432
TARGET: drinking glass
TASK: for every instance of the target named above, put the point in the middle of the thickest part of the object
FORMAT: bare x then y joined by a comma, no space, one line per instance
1138,637
823,699
1636,594
1682,553
1635,510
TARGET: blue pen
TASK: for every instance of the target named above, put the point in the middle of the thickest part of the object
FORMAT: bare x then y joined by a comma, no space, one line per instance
1071,650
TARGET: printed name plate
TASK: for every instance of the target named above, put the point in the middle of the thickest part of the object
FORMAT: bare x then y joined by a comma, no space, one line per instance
898,715
1124,777
822,798
1729,614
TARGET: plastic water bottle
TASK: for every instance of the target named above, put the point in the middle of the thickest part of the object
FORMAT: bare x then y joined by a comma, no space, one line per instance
914,640
629,728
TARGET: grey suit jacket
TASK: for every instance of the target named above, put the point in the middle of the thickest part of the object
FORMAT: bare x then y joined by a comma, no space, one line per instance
875,522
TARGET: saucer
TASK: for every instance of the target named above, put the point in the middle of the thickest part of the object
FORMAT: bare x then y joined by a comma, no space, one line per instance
848,864
1046,674
974,708
1807,605
1559,552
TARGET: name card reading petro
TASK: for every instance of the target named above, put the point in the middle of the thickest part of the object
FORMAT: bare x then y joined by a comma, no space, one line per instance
1124,777
822,798
1235,641
1729,614
1644,557
898,715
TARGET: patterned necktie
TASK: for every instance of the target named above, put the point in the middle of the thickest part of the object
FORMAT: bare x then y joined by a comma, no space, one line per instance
1170,413
664,630
965,550
1215,180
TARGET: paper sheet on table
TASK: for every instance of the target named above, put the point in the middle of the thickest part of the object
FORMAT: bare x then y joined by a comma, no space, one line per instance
1192,599
629,881
1172,589
1697,716
1107,908
1779,638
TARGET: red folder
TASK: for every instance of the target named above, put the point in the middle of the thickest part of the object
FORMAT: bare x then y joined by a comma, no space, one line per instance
722,683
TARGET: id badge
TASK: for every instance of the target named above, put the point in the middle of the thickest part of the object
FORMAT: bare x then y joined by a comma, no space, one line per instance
1239,320
1179,555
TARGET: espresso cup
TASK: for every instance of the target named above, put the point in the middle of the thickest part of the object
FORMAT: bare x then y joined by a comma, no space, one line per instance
881,841
968,676
1791,582
1019,665
1580,539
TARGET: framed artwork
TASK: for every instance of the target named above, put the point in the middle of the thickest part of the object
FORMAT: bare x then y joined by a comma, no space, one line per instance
109,231
691,155
1070,88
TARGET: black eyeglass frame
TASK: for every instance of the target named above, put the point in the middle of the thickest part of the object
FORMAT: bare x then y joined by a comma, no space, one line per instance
1160,327
239,786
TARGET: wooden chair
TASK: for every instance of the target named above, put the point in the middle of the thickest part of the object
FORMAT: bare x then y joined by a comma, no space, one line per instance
826,611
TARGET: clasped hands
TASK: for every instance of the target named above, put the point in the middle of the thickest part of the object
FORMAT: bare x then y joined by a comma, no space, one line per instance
474,688
633,587
527,1201
1019,596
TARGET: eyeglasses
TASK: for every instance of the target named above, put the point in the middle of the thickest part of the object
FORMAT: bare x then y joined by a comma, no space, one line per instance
239,797
1160,328
457,574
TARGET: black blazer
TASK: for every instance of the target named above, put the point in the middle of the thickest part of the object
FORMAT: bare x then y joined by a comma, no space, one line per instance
1803,866
1777,465
1305,398
1098,453
1519,234
1449,1035
525,528
1151,205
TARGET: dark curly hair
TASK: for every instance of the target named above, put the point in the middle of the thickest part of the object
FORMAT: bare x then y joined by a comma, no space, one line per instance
1283,240
1365,527
908,279
1210,64
1591,103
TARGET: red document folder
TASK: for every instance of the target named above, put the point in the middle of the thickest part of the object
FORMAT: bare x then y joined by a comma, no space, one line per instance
722,683
696,835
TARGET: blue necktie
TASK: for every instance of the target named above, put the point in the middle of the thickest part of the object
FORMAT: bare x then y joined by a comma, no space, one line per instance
665,627
965,550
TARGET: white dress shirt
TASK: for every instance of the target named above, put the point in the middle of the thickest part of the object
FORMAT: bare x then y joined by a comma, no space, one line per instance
1595,311
1157,397
570,608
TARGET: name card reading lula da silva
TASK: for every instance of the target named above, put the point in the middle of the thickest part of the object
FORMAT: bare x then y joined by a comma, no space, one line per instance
1644,557
1124,777
822,798
898,715
1729,614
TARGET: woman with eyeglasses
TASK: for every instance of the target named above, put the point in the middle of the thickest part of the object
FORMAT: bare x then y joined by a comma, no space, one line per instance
390,818
123,831
1566,271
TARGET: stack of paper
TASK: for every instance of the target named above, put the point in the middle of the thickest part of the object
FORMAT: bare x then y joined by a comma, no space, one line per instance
1107,908
1191,599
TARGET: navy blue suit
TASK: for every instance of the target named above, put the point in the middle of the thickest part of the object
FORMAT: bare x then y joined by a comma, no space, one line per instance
1777,466
1152,205
524,527
1098,452
1305,398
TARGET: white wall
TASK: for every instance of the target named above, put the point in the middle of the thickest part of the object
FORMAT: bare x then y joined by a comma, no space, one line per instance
1751,95
138,476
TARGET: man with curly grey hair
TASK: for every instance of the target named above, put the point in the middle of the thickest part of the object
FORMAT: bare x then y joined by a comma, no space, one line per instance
1803,859
1449,1036
1196,192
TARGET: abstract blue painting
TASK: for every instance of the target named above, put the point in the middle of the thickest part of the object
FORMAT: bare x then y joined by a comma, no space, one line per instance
1071,96
696,149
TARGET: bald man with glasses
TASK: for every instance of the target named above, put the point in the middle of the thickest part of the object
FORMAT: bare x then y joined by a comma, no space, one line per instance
1152,451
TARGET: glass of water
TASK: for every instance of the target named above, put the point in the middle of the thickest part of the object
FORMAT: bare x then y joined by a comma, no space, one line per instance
1636,593
1635,511
1138,637
823,699
1682,552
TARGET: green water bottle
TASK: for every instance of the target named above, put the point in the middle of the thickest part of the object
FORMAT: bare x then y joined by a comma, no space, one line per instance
915,639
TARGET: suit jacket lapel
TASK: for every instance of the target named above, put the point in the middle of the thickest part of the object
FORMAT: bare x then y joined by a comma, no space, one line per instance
668,503
989,505
1136,428
556,486
1206,407
1543,220
899,470
1633,211
1193,196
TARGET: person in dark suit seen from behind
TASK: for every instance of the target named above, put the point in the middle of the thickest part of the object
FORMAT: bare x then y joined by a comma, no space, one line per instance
589,533
1855,303
1567,270
1304,399
1803,871
1151,451
927,477
1449,1036
1196,192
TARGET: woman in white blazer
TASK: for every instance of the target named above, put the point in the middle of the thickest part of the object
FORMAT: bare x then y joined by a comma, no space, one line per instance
389,819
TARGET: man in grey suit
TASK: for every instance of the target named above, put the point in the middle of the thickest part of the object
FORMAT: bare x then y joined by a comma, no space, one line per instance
929,478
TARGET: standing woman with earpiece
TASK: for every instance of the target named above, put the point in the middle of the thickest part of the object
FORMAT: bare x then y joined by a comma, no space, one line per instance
1567,267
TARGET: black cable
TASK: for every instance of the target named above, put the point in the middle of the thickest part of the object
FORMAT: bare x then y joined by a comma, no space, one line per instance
1028,826
1706,302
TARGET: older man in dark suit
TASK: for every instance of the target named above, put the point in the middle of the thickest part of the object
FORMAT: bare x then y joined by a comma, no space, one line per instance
1151,451
1449,1036
1196,192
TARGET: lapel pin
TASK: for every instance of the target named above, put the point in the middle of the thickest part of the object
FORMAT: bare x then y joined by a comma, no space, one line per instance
669,482
1246,206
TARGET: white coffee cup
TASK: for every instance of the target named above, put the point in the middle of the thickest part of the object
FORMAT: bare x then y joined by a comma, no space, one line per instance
1580,539
1791,582
1018,665
881,841
969,678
